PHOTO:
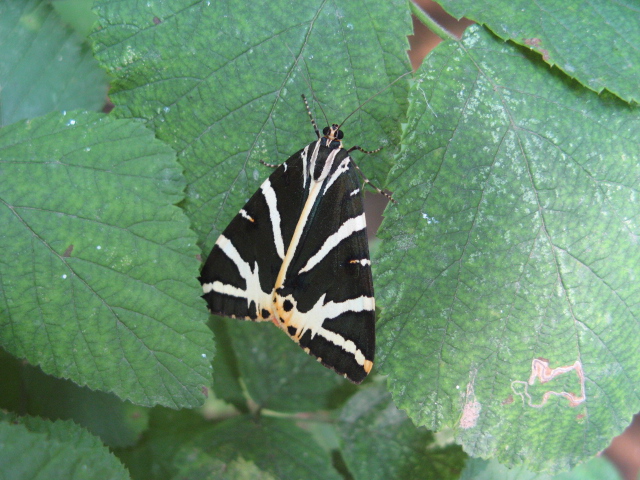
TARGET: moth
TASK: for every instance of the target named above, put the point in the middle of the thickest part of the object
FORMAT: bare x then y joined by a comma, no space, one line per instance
297,255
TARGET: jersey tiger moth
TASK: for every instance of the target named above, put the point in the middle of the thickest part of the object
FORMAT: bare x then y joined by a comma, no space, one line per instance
297,254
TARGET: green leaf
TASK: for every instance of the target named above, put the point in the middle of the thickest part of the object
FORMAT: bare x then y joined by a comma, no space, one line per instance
35,448
197,466
117,423
277,374
276,446
77,13
44,66
156,453
598,468
514,239
379,441
98,272
593,42
221,81
226,375
182,442
27,390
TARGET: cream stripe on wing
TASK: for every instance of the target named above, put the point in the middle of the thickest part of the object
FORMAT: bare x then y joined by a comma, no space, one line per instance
365,262
342,168
314,158
305,164
347,345
274,216
347,229
245,215
254,292
314,190
244,269
220,287
327,165
315,318
315,187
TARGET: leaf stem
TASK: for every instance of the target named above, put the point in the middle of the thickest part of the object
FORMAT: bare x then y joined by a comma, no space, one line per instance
318,417
430,23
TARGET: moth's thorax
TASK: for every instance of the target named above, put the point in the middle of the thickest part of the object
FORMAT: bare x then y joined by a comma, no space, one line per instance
324,160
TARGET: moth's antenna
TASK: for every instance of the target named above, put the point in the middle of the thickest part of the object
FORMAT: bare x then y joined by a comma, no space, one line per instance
307,80
374,96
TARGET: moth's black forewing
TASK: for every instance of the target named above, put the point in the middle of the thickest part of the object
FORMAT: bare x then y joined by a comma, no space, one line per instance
340,332
255,242
338,276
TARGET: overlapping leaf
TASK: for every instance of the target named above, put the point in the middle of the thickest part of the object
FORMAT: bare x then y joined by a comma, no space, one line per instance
98,269
36,448
511,258
265,447
380,442
221,83
276,446
43,65
277,374
593,42
598,468
117,423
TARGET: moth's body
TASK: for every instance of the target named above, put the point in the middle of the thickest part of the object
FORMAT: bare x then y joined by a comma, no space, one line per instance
297,255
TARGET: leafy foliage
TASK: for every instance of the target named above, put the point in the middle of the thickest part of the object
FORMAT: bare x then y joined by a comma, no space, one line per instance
509,258
97,259
595,469
524,199
274,373
273,448
232,96
43,65
396,449
593,42
35,448
117,423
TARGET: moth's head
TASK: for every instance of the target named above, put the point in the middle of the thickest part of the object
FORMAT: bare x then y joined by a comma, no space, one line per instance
333,136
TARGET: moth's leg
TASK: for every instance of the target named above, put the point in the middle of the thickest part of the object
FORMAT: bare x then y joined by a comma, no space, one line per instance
364,177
